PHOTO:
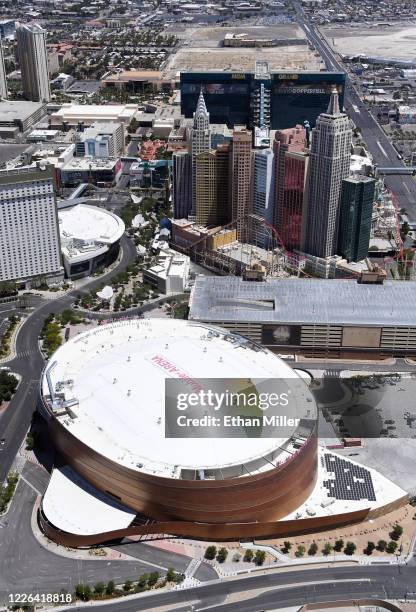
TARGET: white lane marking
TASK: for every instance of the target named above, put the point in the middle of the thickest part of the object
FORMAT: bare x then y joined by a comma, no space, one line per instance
29,484
406,187
355,107
382,150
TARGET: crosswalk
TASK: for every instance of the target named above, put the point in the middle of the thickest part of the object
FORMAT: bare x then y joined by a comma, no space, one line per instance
190,580
26,353
331,373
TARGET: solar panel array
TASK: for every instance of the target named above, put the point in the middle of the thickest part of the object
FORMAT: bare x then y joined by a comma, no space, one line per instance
351,481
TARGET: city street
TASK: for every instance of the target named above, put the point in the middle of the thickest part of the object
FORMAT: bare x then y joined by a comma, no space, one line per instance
281,590
29,363
27,567
380,147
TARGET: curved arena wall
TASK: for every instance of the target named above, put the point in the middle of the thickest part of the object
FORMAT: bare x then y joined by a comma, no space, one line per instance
206,531
263,497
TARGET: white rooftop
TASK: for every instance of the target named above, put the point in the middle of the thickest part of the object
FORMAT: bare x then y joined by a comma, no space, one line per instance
85,228
321,503
96,112
115,376
358,162
71,504
90,163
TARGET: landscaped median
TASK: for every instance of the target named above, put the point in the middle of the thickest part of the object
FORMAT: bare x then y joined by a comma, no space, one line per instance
7,491
110,590
7,338
8,386
52,332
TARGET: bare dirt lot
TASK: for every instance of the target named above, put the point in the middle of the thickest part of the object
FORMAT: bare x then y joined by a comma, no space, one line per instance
390,42
212,36
279,58
197,40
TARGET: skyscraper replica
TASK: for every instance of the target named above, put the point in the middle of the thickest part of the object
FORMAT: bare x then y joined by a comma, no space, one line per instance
357,198
29,233
263,194
212,186
181,184
241,179
329,164
3,82
200,141
33,60
291,171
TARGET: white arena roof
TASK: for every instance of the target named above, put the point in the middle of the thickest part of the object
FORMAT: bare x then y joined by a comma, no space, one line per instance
85,230
113,378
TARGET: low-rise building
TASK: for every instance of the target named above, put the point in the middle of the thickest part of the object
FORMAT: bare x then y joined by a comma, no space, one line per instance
42,135
62,82
137,80
338,318
99,171
101,140
90,239
74,114
20,114
153,174
407,114
170,274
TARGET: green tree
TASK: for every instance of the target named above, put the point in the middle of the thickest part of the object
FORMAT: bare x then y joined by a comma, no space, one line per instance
110,588
7,288
99,588
350,548
248,555
143,580
259,557
396,532
391,547
381,545
133,126
127,586
313,549
300,551
369,548
153,578
222,555
286,546
210,552
170,574
327,549
8,386
30,441
83,592
339,545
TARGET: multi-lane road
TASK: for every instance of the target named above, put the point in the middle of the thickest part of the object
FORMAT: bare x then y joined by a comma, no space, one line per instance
15,421
273,590
380,147
27,566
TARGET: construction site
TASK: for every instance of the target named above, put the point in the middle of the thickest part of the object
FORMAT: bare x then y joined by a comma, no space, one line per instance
250,247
